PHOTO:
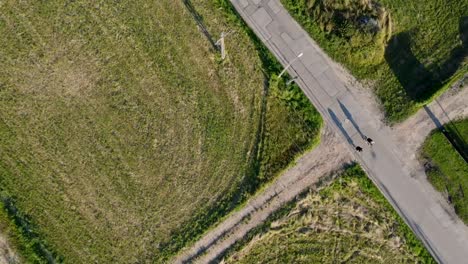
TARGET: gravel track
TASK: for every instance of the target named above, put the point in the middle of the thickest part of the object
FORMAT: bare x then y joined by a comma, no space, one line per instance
329,156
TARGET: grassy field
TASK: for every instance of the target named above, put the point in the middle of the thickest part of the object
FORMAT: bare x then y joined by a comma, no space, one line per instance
346,222
408,51
445,167
124,136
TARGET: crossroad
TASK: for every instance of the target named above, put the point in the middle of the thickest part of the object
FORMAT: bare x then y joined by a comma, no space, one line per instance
444,235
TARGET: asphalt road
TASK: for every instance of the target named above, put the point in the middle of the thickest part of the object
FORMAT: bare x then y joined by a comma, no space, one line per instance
444,235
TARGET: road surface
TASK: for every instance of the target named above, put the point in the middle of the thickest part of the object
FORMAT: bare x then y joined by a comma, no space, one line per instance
445,236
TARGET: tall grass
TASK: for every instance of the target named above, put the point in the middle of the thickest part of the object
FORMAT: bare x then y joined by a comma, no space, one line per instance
347,221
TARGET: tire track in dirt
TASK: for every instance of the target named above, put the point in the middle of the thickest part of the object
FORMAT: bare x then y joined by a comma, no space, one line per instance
329,156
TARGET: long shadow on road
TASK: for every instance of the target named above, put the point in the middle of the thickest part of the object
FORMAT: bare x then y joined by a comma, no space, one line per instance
340,126
350,118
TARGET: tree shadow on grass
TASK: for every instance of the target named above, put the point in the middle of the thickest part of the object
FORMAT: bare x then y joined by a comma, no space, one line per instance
451,132
457,139
419,82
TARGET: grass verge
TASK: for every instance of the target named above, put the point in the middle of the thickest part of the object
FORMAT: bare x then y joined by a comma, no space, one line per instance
446,168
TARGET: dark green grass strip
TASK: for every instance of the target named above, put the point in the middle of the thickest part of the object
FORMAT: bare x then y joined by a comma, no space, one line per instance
445,167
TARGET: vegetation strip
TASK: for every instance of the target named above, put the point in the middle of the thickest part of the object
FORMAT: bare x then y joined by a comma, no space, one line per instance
445,167
22,234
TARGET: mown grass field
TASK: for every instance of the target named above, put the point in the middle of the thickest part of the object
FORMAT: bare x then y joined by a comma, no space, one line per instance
124,136
446,169
348,221
408,51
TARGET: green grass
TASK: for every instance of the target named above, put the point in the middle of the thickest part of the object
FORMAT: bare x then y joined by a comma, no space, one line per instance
123,134
25,245
446,169
421,46
349,221
292,126
11,241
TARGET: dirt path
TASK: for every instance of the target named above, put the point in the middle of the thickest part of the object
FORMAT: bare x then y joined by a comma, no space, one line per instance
328,157
451,105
